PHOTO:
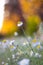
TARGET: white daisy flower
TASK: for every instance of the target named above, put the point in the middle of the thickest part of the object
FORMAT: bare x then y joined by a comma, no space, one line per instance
31,53
8,59
29,38
24,43
13,56
15,33
5,43
2,62
17,53
38,55
12,42
12,48
24,62
20,24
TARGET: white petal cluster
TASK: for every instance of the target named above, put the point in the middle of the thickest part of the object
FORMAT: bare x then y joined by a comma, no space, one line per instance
24,62
12,42
38,55
31,53
20,24
13,56
15,33
8,59
2,62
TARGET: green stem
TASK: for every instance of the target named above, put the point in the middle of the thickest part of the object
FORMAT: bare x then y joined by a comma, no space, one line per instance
27,39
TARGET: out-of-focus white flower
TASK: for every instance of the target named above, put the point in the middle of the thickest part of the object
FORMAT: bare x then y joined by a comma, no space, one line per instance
13,56
15,33
2,62
17,53
29,38
24,43
24,62
12,42
12,48
39,47
34,40
38,55
8,59
5,43
20,24
31,53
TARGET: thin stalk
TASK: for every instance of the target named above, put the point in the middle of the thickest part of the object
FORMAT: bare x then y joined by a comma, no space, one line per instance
27,39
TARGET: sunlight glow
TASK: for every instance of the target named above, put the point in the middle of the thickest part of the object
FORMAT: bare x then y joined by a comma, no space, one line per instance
2,3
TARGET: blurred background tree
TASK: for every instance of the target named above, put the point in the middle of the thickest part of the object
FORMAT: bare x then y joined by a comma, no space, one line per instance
21,10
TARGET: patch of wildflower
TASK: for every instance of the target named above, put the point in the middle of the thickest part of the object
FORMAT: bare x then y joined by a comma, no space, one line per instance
15,33
20,23
24,62
3,62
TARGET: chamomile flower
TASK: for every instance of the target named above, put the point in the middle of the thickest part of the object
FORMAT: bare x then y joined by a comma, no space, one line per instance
24,62
38,47
31,53
12,42
2,62
15,33
24,43
8,59
13,56
20,24
17,53
12,48
34,40
38,55
29,38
